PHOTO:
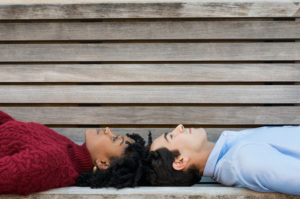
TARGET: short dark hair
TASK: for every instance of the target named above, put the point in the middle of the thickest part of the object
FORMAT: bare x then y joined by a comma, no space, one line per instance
162,172
128,171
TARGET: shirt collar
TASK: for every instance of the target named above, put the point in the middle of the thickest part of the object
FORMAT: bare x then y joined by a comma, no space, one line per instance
213,156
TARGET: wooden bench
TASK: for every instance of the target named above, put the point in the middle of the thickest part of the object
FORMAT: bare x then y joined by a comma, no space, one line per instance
140,65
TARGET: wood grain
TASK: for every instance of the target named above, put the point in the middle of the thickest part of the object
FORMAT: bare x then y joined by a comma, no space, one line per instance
281,51
152,30
150,9
159,115
150,73
222,94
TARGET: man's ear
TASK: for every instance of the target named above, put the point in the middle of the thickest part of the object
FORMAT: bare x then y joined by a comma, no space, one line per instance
180,163
102,164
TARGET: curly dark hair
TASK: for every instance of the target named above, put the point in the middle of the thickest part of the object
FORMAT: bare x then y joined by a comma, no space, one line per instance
140,167
128,171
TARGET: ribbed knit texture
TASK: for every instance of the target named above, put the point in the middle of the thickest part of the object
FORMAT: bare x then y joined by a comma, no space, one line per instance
35,158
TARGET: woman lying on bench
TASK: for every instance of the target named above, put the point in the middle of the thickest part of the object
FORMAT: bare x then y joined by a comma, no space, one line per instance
35,158
265,159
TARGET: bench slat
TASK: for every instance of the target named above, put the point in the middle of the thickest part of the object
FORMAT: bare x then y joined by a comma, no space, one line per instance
158,30
222,94
102,9
150,73
280,51
159,115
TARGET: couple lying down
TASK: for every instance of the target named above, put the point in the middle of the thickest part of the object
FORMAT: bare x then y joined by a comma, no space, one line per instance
34,158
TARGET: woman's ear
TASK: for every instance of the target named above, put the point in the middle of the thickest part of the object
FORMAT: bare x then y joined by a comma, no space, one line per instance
102,164
180,163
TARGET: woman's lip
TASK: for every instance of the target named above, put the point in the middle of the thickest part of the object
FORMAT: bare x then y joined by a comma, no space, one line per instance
100,131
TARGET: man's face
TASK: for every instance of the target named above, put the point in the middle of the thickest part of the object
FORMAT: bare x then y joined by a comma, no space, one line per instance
187,141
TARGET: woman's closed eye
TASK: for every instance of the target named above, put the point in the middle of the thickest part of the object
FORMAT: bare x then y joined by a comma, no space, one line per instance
115,138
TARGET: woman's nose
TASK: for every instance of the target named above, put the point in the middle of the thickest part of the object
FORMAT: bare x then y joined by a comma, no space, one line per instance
108,131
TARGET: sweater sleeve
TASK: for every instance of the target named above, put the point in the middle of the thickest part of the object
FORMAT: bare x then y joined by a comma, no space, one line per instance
33,171
4,117
262,167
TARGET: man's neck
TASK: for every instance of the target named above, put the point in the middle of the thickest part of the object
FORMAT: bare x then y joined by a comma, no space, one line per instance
202,157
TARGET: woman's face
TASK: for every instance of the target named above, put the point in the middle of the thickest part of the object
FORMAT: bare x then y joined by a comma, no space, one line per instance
105,146
186,140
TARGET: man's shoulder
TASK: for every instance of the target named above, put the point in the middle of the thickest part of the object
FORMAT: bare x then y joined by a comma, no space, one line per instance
244,155
237,162
252,157
246,149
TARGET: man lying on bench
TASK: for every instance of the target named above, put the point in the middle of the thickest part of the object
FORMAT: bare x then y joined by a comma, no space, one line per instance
265,159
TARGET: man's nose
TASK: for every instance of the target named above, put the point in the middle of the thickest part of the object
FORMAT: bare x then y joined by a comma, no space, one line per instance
181,128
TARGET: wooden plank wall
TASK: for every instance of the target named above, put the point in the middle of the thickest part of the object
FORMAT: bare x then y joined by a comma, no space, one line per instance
149,66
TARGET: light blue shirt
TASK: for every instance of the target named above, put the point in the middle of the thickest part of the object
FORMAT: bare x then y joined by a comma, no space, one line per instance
265,159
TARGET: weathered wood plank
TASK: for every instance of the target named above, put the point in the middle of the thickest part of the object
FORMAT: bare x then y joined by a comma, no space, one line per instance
150,73
159,115
148,9
278,51
221,94
158,30
78,134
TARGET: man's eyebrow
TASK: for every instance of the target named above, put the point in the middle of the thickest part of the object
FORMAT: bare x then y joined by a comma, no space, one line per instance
122,141
165,135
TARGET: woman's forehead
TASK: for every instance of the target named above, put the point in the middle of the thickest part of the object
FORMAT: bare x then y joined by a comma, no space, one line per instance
128,139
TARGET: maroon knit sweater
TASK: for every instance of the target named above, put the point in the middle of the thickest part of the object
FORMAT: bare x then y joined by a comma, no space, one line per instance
35,158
